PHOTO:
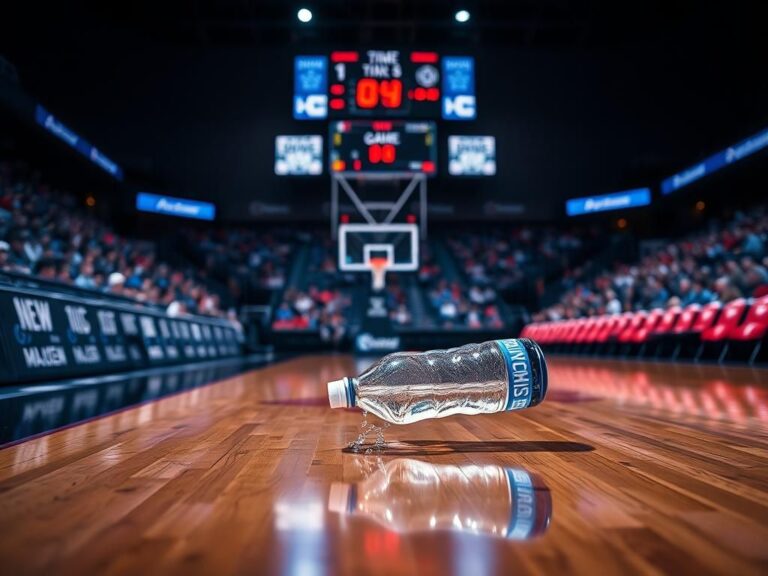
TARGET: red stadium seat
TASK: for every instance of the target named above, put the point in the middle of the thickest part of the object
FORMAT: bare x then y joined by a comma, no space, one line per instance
640,335
587,332
636,322
660,339
688,316
604,333
639,339
719,334
754,328
667,322
727,323
692,322
706,317
598,327
620,325
573,334
608,340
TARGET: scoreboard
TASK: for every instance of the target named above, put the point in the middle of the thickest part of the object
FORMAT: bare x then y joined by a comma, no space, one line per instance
382,107
385,146
384,84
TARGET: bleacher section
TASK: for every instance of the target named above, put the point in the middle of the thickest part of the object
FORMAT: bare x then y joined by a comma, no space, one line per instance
704,298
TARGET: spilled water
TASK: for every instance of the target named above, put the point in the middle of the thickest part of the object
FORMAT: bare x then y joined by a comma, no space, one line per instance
371,437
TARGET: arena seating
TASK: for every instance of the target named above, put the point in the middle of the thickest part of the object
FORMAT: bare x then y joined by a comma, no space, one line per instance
700,298
45,234
735,331
725,261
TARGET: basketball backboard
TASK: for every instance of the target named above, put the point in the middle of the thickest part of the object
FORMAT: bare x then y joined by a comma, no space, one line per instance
360,244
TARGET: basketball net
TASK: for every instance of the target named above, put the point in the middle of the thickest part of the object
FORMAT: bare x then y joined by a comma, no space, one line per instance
378,271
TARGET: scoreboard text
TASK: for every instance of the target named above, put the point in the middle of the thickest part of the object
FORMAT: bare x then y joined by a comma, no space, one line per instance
383,146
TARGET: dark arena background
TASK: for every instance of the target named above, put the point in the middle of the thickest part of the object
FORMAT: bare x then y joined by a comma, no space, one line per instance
215,215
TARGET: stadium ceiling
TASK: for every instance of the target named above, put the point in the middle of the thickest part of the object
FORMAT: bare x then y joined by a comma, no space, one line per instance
517,22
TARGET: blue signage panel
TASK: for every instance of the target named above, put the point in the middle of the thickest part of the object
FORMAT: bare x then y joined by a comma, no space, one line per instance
171,206
459,88
62,132
310,88
616,201
716,162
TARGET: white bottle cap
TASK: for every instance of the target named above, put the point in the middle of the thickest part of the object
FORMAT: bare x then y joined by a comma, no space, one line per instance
338,497
337,393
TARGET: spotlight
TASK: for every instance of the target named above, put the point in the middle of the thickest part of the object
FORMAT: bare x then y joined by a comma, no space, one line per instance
462,16
304,15
621,223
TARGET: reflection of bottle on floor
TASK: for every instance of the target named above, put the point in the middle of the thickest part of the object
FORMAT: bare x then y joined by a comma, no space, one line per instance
409,495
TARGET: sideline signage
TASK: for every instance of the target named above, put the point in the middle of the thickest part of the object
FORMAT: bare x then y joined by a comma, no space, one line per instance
46,335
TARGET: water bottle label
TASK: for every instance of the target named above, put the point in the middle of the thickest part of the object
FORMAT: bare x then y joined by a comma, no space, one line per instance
523,498
520,374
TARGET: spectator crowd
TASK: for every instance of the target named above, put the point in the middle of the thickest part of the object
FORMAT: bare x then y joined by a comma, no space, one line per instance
44,232
723,263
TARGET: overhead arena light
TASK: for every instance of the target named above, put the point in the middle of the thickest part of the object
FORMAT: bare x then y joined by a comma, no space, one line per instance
462,16
304,15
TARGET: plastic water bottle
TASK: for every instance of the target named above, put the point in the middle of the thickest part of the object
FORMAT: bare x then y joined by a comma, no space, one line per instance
406,387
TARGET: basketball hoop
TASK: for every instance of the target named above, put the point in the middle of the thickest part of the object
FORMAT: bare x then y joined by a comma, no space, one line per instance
378,271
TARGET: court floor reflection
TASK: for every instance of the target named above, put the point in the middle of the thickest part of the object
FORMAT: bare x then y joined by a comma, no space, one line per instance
410,496
33,409
738,395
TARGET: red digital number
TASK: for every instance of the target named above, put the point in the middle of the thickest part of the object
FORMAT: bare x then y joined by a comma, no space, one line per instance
367,93
391,92
388,153
385,153
374,153
370,91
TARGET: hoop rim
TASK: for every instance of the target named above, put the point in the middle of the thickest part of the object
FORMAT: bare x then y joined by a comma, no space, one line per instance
379,263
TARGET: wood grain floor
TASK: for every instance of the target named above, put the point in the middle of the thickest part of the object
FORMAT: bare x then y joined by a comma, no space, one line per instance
625,468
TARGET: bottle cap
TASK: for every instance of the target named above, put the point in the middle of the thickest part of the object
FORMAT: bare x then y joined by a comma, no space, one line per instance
337,393
338,497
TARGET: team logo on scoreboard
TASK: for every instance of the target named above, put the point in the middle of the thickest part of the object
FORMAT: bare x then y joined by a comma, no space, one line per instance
310,100
459,88
298,155
427,76
471,155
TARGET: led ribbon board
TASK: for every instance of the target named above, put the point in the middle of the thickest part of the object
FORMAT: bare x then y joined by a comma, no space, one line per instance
616,201
50,123
471,155
298,155
181,207
716,162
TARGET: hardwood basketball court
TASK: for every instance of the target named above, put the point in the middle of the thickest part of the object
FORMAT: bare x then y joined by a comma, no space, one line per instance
625,468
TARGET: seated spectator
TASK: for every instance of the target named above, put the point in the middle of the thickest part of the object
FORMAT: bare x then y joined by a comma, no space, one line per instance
4,259
401,315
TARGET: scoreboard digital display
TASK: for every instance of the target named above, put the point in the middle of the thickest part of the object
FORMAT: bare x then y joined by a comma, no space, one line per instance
384,84
383,146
